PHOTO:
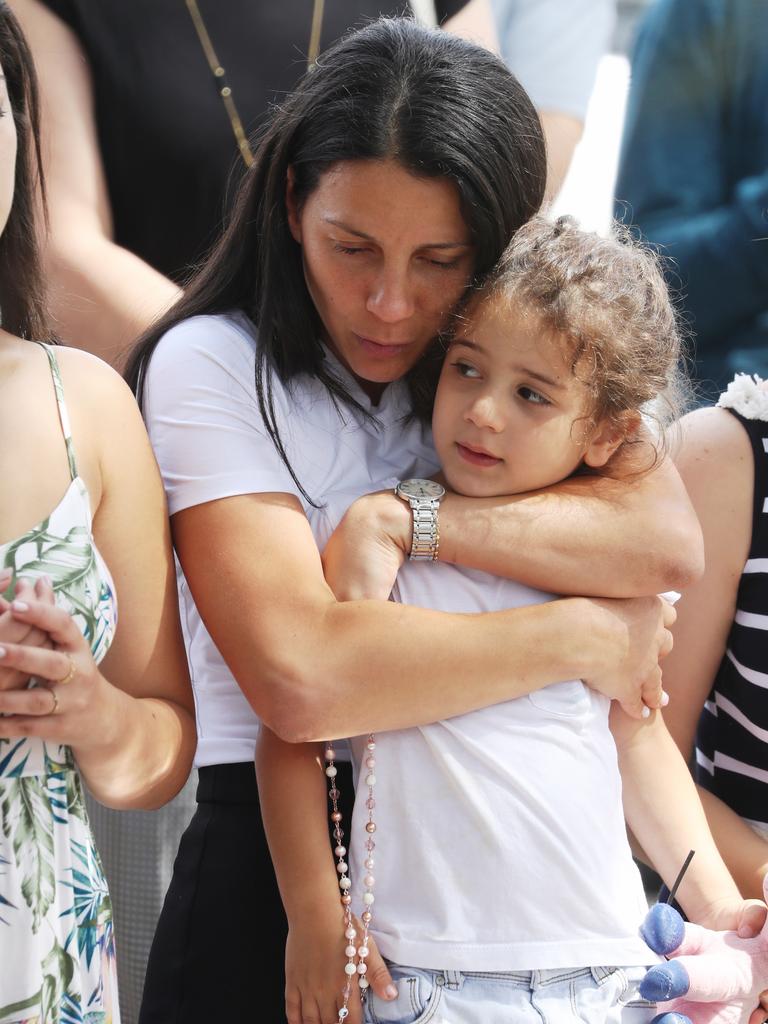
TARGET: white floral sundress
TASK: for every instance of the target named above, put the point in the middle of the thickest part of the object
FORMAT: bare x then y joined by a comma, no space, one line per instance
57,955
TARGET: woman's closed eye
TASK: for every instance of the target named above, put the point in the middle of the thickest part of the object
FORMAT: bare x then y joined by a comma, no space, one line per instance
442,264
349,250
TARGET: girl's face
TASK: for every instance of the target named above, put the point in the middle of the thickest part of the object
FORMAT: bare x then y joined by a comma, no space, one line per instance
510,415
386,257
7,154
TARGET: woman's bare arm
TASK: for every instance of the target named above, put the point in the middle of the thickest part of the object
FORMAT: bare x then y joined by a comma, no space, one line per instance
715,461
586,535
590,535
313,667
103,295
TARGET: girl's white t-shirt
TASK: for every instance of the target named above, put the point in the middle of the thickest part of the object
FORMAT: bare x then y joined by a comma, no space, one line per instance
500,839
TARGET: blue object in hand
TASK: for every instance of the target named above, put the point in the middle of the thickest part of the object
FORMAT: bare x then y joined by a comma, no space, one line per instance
664,982
663,929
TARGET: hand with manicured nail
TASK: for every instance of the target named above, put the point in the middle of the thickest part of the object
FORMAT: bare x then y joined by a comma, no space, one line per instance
13,631
69,704
713,977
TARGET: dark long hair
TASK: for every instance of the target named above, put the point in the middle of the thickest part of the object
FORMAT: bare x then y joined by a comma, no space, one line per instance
22,295
440,106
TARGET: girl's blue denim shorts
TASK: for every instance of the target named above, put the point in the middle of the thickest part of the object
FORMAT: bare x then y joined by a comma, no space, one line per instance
586,995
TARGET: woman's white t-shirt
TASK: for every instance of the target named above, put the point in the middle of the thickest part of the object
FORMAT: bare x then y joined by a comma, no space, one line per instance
205,426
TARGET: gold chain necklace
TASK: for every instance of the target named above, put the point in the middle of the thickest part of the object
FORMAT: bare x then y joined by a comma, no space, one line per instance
220,75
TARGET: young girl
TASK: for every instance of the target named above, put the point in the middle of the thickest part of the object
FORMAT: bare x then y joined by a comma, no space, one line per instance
488,853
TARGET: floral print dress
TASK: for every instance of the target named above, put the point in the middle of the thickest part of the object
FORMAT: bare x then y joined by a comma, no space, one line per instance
57,956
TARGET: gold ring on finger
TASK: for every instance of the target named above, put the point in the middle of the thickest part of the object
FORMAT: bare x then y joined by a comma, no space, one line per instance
70,675
55,707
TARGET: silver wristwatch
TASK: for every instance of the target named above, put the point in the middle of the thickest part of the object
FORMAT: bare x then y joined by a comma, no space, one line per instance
424,497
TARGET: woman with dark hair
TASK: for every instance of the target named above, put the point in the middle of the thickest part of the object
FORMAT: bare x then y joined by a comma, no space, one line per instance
87,523
301,360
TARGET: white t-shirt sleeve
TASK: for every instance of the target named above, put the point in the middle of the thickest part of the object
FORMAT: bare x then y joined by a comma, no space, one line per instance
203,415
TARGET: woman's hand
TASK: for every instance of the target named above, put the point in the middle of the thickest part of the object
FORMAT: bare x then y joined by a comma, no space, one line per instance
634,634
363,555
314,973
12,631
67,708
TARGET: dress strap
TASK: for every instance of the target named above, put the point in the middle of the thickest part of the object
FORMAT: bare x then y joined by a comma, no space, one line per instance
58,389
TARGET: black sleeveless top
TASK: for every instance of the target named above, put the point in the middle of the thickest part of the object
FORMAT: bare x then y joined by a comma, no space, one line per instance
166,142
732,738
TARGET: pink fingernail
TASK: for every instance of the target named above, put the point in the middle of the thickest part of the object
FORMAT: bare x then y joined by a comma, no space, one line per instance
646,712
390,992
664,698
3,652
20,606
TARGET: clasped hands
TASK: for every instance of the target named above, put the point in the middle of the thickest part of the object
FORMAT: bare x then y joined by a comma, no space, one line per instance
41,641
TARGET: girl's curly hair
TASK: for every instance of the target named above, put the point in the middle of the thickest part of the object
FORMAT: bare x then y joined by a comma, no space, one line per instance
607,296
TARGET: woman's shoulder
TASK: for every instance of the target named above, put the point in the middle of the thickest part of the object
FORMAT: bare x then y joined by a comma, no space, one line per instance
209,332
209,347
102,414
90,387
716,464
712,436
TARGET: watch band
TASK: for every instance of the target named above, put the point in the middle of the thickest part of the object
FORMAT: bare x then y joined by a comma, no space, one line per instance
426,531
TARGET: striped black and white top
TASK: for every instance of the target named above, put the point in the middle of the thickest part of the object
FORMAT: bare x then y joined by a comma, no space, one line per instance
732,738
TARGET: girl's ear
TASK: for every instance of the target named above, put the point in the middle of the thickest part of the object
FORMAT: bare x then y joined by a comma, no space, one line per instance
609,434
291,207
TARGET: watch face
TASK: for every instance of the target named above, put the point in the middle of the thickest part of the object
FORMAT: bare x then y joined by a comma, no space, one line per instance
417,488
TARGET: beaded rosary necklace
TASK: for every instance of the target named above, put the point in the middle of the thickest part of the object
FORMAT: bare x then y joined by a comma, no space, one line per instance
356,955
220,76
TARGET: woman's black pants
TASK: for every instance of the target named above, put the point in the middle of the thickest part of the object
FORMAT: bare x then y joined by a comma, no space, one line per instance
218,952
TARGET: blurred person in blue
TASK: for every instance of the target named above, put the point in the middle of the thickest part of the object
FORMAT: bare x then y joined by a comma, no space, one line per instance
693,173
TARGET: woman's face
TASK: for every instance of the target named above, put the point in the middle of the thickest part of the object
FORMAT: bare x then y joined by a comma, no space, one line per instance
386,257
7,153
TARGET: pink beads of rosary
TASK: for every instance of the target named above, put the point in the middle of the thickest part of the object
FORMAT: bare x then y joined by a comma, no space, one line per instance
357,956
344,882
369,880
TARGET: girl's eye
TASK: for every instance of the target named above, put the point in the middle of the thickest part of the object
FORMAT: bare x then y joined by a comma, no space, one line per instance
466,370
534,397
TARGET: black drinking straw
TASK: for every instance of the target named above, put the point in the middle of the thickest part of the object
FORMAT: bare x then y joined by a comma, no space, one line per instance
679,878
